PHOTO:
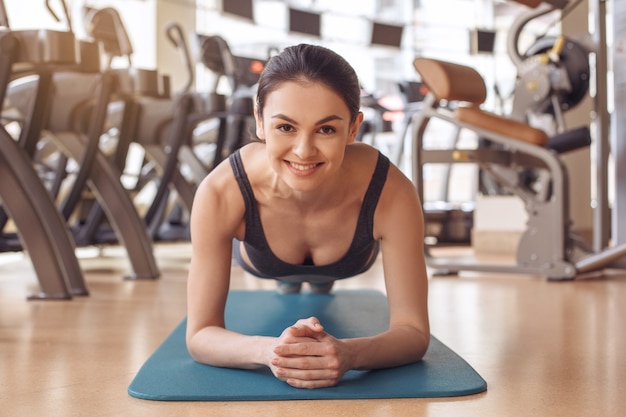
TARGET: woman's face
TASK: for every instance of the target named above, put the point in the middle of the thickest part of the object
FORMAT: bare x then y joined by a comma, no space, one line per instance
306,127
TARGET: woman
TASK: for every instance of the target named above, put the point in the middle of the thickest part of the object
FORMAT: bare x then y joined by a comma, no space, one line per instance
291,203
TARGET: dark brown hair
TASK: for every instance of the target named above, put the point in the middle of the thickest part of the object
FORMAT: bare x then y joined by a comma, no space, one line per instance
311,63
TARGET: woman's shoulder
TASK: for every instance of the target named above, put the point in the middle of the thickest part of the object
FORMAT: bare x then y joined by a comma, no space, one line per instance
361,156
364,159
219,185
223,176
361,149
253,155
218,197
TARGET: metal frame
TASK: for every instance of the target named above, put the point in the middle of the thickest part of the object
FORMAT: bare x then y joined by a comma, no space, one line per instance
547,247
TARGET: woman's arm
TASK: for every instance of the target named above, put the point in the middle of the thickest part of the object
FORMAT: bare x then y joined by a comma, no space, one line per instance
399,223
216,218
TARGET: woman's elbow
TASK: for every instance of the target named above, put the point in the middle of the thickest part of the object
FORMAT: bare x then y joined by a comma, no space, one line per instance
422,345
193,347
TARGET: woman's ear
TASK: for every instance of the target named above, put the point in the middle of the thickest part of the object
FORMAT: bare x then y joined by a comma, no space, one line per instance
259,124
354,128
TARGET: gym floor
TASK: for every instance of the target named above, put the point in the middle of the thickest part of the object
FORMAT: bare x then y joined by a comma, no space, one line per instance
544,348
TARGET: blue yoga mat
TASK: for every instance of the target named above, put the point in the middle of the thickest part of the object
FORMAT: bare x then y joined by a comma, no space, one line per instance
170,374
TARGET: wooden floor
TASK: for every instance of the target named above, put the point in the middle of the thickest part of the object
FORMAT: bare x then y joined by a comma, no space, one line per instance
544,348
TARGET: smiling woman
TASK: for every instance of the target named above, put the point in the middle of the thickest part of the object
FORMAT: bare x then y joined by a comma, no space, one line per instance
308,143
307,203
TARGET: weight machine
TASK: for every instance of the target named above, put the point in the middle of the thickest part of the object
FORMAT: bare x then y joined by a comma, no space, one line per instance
548,247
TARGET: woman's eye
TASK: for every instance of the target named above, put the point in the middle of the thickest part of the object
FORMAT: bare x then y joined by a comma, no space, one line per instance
285,128
327,130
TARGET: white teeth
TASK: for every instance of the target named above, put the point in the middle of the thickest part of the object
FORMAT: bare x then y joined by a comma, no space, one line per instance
301,167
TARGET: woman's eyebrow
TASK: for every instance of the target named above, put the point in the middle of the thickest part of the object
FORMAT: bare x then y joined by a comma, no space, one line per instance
284,117
319,122
329,119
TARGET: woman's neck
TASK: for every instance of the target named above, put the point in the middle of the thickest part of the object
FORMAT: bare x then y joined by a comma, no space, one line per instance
331,193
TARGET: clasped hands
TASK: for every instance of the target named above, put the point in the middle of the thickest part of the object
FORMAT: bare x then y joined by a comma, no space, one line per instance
305,356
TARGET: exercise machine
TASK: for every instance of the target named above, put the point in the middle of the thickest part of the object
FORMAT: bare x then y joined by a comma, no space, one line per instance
41,231
547,247
67,105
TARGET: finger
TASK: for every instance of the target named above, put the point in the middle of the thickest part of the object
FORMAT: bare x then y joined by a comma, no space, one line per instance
307,384
299,330
311,323
302,333
308,347
314,323
281,374
289,339
306,363
309,378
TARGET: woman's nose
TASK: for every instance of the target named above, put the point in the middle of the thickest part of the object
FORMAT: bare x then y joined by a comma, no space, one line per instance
304,146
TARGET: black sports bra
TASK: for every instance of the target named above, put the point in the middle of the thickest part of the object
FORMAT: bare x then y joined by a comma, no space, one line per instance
360,255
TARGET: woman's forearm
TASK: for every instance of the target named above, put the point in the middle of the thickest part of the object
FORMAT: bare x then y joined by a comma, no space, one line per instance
217,346
397,346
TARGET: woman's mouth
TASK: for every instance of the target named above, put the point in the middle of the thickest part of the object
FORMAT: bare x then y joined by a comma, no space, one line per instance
303,168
